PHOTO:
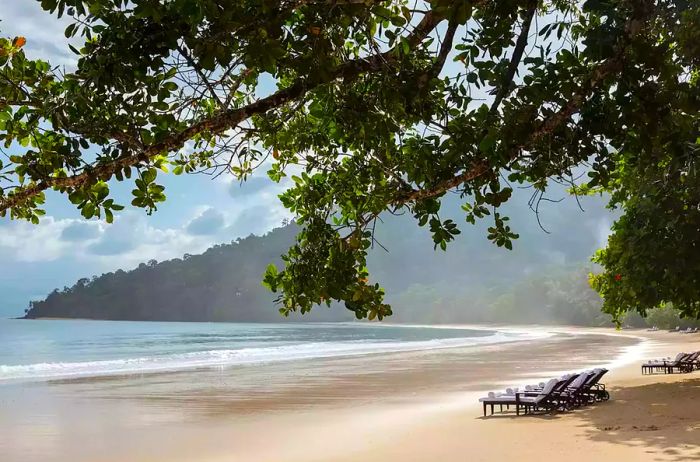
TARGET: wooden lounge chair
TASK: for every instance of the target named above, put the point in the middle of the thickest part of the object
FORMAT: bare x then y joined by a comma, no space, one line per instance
564,382
577,389
680,364
501,399
575,394
696,364
597,388
667,367
692,361
593,390
549,398
541,400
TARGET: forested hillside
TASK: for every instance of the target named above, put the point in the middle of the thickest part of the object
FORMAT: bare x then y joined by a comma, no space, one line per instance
542,280
222,284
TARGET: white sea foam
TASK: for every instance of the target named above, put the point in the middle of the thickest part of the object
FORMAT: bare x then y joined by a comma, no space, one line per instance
241,356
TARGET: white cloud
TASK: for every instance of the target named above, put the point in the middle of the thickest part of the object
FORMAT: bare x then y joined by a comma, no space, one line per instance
209,222
258,220
21,241
44,31
78,231
133,237
251,186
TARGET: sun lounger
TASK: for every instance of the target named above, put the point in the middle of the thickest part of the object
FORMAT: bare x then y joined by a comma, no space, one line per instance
668,366
547,399
564,382
543,399
566,393
497,399
692,361
594,389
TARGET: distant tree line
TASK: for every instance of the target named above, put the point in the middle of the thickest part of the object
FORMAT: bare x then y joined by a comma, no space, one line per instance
560,295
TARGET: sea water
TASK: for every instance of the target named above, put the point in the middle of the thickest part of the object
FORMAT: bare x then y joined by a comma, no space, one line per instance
49,349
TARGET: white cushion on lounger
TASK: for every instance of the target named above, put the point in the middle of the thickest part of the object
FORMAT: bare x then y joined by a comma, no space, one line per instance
531,399
549,386
498,399
578,381
524,399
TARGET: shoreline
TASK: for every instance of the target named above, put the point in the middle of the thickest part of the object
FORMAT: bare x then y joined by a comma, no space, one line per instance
498,336
408,406
294,411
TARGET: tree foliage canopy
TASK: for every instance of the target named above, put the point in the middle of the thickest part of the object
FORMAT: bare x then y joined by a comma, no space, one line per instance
378,106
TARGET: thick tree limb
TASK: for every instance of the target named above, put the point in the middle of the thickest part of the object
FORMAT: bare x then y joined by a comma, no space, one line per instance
518,51
221,122
15,102
445,48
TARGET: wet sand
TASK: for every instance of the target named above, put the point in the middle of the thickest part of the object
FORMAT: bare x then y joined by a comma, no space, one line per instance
399,406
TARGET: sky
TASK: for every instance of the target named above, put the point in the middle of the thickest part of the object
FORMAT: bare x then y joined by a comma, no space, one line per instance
200,211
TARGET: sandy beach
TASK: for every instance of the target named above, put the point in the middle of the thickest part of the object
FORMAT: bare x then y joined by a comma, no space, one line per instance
650,417
411,406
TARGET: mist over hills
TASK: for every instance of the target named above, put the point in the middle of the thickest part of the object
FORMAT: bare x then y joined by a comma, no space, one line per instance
543,279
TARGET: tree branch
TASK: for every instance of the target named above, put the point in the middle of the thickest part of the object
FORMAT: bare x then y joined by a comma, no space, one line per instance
199,72
633,27
518,51
482,167
222,121
445,48
14,102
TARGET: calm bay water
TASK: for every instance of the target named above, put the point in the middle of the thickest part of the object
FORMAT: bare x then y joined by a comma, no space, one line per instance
49,349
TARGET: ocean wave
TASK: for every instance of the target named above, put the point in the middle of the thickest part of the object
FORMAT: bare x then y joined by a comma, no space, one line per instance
239,356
